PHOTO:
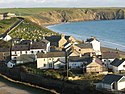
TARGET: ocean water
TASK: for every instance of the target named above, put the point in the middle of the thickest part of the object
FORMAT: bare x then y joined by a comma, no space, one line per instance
111,33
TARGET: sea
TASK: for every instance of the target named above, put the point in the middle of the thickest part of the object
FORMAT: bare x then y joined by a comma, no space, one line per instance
111,33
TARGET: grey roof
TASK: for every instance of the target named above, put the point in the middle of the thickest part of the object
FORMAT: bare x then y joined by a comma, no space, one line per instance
54,38
91,39
110,78
51,54
85,45
20,47
110,55
26,58
117,62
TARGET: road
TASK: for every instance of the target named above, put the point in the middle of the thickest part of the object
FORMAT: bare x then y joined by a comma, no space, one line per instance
12,27
7,87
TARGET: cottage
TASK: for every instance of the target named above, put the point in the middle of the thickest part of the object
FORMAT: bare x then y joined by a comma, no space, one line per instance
95,44
75,62
83,48
59,40
118,65
22,59
108,57
112,82
29,47
93,65
50,60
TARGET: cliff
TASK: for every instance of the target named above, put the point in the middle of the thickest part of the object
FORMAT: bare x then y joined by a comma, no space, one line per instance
46,16
69,15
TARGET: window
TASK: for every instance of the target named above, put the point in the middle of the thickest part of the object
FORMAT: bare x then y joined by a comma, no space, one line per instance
15,52
123,65
32,52
50,65
44,59
44,65
26,52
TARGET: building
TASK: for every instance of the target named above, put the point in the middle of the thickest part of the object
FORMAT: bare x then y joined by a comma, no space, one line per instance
93,65
83,48
7,15
53,60
22,59
59,40
108,57
27,47
118,65
95,44
112,82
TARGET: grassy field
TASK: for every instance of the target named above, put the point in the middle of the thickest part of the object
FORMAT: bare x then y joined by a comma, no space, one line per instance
6,24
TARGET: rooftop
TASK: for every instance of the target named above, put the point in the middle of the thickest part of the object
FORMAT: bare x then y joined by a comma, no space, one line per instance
110,55
117,62
110,78
51,54
84,45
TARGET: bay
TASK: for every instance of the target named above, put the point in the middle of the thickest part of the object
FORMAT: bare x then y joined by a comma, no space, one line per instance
111,33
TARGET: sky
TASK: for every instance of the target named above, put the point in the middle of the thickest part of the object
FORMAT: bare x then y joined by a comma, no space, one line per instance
61,3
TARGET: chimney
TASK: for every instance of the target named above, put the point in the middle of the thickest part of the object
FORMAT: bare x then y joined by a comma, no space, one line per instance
62,36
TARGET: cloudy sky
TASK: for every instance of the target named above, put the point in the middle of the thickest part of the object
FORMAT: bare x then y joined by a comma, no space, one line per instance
62,3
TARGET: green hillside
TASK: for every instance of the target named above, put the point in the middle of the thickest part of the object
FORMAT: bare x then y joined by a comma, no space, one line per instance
47,16
6,24
30,30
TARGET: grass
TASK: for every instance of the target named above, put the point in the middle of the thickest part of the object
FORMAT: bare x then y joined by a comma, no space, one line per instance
30,30
6,24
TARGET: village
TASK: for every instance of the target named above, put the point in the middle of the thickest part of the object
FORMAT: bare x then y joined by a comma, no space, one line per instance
62,52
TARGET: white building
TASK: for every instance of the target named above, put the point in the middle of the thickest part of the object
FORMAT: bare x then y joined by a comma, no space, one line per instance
29,47
95,44
108,57
118,65
50,60
112,82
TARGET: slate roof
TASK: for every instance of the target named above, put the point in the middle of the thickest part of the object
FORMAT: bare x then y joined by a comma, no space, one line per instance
51,54
117,62
84,46
110,78
20,47
38,45
54,38
78,58
110,55
91,39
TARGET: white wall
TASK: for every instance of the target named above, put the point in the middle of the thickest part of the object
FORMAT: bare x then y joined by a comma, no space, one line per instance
107,62
96,47
121,85
42,61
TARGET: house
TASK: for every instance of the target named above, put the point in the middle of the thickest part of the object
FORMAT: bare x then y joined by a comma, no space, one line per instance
118,65
93,65
95,44
29,47
22,59
112,82
83,48
1,16
59,40
76,61
50,60
108,57
7,15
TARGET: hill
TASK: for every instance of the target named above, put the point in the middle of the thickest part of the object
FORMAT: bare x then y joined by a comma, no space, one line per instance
47,16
